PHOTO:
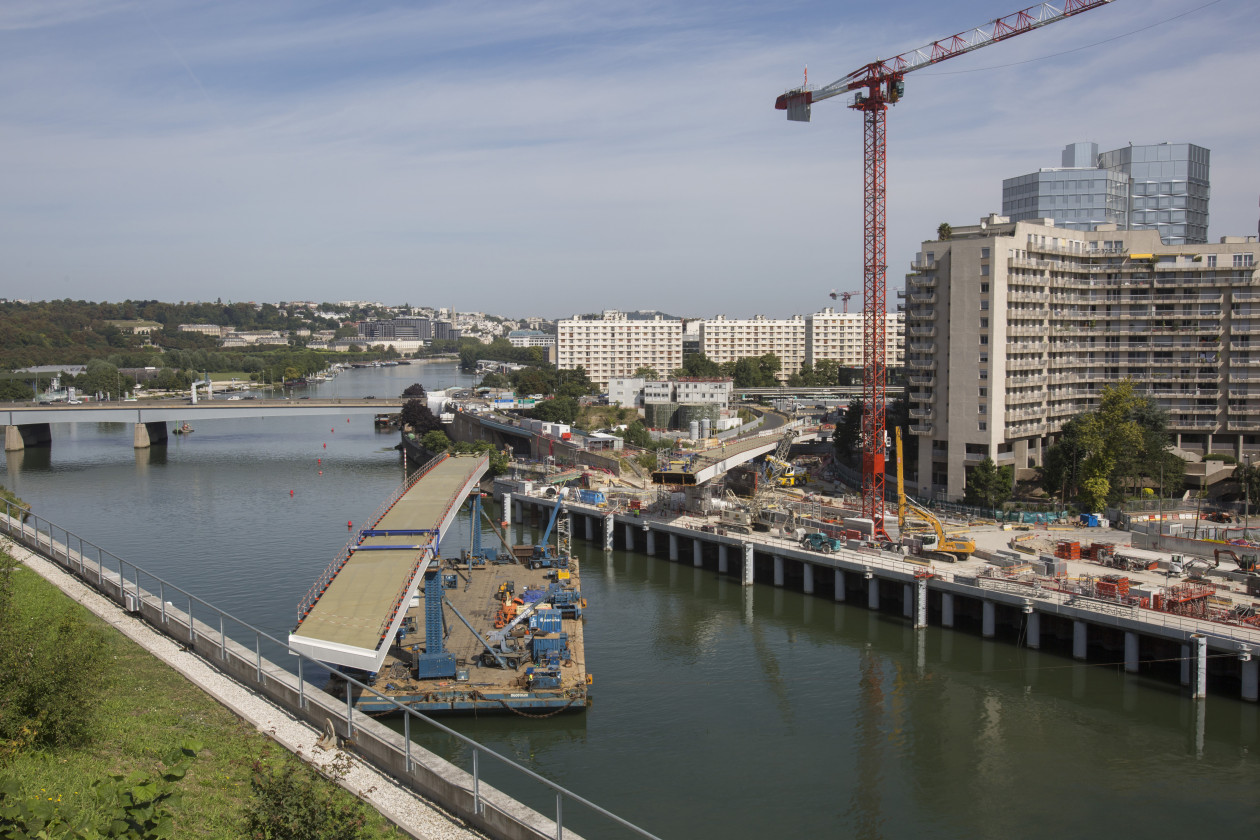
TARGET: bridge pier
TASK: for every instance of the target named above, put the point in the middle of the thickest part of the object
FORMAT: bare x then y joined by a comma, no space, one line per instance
1080,640
651,542
590,528
841,594
947,609
149,434
747,579
988,620
1131,652
18,437
629,536
697,553
872,592
1032,631
673,547
778,570
807,581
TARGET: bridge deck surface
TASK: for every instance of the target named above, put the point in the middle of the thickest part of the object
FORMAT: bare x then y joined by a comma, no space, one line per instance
359,598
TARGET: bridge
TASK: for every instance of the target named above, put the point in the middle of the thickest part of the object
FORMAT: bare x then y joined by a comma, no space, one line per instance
352,613
787,392
28,425
704,465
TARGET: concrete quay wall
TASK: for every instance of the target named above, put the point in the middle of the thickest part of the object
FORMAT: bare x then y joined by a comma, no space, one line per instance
970,596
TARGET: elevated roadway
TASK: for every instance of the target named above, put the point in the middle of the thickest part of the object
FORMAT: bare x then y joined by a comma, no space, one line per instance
353,611
28,425
705,465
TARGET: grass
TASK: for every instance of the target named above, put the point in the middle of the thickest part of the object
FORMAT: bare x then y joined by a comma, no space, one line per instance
144,715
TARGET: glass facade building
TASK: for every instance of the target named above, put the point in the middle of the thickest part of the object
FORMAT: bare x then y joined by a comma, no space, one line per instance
1162,187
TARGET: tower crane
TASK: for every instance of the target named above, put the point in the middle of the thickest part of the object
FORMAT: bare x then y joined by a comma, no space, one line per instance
878,85
845,297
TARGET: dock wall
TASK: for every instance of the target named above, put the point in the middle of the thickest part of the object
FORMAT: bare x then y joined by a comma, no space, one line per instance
970,597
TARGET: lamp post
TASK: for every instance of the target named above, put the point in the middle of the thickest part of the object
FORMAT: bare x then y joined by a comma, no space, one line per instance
1247,496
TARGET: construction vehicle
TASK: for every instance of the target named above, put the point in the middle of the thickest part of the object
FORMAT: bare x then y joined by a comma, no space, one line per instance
788,475
1245,562
817,541
938,543
877,86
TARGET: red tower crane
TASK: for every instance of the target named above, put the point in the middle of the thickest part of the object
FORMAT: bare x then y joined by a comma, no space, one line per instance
878,85
844,296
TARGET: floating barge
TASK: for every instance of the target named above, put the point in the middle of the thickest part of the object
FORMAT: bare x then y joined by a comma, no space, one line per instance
485,630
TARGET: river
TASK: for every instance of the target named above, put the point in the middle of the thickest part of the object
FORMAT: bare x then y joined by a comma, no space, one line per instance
718,711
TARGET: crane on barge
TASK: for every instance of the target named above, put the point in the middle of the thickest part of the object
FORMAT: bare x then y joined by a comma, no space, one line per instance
879,85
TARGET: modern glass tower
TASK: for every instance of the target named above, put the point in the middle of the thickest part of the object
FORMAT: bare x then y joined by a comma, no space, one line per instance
1162,187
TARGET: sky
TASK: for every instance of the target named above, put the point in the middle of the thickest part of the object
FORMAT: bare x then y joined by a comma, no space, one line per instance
554,157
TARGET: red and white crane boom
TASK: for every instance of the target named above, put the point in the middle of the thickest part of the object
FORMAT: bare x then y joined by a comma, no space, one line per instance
880,85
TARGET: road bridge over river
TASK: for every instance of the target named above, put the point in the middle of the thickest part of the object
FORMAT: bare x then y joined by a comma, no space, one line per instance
28,425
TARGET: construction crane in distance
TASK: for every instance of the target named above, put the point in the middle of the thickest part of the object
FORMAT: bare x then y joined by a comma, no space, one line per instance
878,85
845,297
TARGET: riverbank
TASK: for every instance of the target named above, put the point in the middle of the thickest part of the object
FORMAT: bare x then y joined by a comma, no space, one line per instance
163,694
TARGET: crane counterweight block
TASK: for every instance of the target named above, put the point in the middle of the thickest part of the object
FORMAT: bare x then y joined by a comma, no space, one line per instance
797,104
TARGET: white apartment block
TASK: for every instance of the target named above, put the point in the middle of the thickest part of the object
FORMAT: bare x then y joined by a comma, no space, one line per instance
725,339
1012,329
213,330
838,335
613,345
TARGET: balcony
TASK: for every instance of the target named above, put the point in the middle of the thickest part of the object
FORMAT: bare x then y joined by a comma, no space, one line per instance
923,381
922,428
921,332
1242,425
1027,297
922,396
921,347
922,281
924,300
921,364
921,413
920,314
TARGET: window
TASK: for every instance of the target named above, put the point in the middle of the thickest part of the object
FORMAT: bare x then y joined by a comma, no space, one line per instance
983,426
984,374
984,358
984,270
1211,260
984,323
984,392
1242,260
984,306
984,288
984,253
982,408
984,341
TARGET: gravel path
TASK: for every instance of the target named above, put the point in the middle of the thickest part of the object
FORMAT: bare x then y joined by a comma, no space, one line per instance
402,806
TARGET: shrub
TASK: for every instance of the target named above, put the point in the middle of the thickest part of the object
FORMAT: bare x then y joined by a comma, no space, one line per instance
293,804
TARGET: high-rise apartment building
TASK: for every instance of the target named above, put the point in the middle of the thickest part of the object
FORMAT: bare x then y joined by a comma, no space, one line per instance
1013,328
613,345
1163,187
725,339
838,335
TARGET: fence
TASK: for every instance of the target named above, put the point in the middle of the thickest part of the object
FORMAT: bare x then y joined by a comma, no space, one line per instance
236,647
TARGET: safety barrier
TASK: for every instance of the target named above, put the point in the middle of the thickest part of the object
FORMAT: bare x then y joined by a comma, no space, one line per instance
215,636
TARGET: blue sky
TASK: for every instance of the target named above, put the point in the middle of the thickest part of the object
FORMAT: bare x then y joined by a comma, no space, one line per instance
556,157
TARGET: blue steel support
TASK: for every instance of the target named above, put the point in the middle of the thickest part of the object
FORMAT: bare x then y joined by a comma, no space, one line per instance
435,661
476,527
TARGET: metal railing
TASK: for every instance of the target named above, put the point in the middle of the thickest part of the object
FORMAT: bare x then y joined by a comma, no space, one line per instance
141,592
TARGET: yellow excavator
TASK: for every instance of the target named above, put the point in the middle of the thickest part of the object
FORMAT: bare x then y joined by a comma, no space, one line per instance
911,518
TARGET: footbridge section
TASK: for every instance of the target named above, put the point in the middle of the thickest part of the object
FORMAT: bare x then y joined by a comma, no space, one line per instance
355,608
704,465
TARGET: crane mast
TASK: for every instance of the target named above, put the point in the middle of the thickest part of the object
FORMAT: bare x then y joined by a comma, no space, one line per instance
878,85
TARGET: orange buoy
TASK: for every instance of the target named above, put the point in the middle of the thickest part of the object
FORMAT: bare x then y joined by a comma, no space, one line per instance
325,446
321,472
347,419
319,460
349,524
290,492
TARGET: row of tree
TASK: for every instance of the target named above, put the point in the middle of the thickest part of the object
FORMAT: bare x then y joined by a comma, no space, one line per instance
1099,458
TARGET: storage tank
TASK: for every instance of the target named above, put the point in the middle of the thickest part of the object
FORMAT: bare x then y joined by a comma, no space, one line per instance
694,429
705,426
689,413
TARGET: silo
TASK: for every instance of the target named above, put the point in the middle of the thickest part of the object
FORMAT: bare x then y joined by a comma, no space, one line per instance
694,428
705,425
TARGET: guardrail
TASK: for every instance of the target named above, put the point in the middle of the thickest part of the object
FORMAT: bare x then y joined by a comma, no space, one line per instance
214,635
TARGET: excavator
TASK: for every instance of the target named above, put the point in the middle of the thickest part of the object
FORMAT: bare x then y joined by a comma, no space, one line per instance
1245,562
945,546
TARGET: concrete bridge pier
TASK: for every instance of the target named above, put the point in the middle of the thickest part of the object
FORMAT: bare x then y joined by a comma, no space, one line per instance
610,531
629,536
1032,630
807,580
748,565
1250,675
149,434
988,621
673,547
872,591
724,561
697,553
1131,652
17,438
1080,640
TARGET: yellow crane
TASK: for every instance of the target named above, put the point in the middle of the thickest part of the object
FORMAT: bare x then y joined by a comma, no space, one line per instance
945,545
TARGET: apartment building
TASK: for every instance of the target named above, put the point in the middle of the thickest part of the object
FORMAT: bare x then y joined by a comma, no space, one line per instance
1013,328
725,339
612,345
838,335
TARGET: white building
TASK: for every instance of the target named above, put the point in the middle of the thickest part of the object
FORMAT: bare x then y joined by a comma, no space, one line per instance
838,335
725,339
531,338
1014,328
204,329
613,345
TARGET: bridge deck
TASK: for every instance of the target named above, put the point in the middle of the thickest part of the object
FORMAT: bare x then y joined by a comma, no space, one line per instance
359,609
703,465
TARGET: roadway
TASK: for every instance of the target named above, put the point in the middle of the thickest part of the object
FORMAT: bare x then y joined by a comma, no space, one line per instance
158,411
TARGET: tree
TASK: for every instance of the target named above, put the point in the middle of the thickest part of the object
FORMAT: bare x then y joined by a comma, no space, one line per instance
848,433
944,232
558,410
436,441
988,485
700,366
645,372
494,379
416,414
415,390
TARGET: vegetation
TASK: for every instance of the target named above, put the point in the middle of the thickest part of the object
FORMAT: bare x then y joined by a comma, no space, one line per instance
128,772
1124,445
416,413
944,232
989,485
